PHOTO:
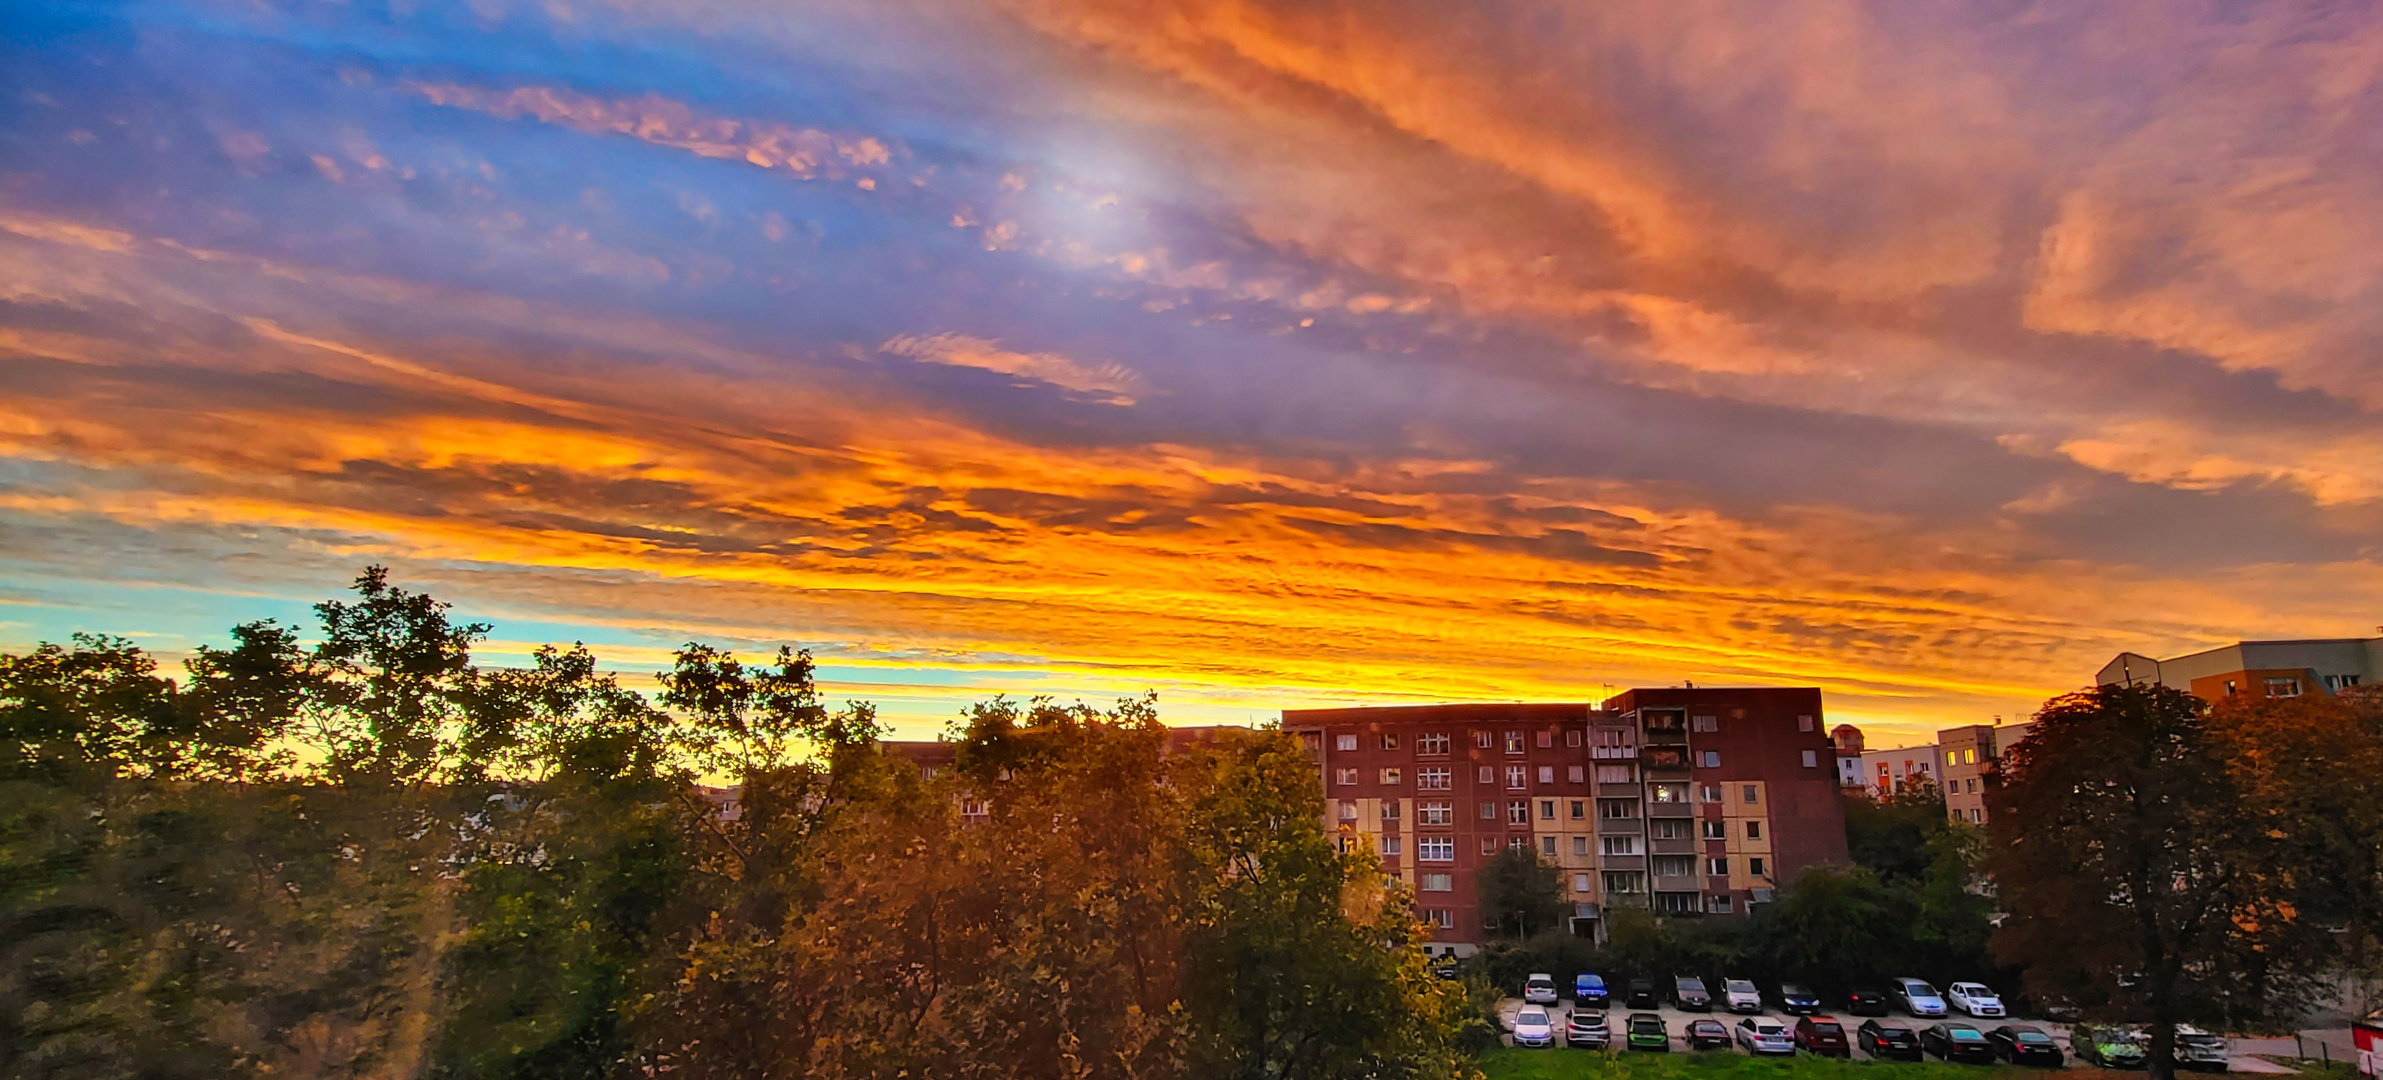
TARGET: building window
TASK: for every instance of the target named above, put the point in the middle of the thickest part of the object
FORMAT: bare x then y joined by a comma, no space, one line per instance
1488,775
1969,756
1547,809
1884,772
1547,774
1666,757
1580,845
1710,759
1668,828
1612,737
1574,774
1432,778
1721,903
1580,809
1572,737
1344,742
1489,811
1973,785
1348,811
1434,882
1624,883
1433,813
1674,865
1518,843
1620,845
1704,723
1617,809
1754,866
1518,777
1547,846
1483,740
1668,793
1390,740
1514,742
1489,845
1580,884
1613,774
1344,777
1546,739
1432,743
1717,866
1390,846
2283,688
1440,917
1754,830
1390,809
1952,757
1812,759
1753,794
1712,793
1518,812
1716,830
2229,688
1390,777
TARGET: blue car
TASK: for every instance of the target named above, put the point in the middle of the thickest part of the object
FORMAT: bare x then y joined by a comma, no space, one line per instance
1588,991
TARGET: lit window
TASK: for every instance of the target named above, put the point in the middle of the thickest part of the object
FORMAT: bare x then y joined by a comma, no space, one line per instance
1514,742
1811,759
1669,793
1969,756
1952,758
1344,742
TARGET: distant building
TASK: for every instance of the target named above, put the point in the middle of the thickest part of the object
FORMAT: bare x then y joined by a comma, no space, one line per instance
1683,801
1849,757
1888,772
2257,668
1971,758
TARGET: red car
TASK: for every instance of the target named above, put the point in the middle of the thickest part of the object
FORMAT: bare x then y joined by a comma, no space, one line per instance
1822,1035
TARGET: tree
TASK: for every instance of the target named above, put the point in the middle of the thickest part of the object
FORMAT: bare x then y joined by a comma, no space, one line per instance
1523,892
2147,851
1889,835
390,673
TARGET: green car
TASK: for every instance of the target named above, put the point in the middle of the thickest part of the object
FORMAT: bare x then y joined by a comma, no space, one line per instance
2110,1047
1646,1032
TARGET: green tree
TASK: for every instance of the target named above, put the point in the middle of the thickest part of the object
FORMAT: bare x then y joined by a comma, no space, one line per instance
2143,863
1889,835
387,683
1523,892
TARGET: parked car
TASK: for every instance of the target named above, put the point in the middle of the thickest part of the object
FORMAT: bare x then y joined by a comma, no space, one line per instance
1588,991
1741,996
2025,1044
1892,1042
1823,1036
1688,992
1796,999
1645,1031
1539,989
1916,997
2108,1046
1976,999
1446,969
1957,1042
1706,1035
1641,996
1532,1027
1866,1001
2063,1011
1587,1028
1763,1035
2199,1050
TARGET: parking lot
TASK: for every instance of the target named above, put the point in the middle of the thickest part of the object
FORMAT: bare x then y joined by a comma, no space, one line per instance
1675,1021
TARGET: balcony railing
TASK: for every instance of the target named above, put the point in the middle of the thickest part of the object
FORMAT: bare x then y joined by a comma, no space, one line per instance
1613,753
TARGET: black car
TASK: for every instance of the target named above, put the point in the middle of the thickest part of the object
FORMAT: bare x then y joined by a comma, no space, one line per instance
1796,999
1957,1042
1688,993
1866,1001
1641,996
1706,1035
1892,1042
2025,1044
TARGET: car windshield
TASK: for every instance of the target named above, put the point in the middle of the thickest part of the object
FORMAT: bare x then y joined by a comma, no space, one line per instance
1647,1025
1739,986
1827,1029
1895,1034
1966,1035
2035,1038
1919,989
1590,981
1769,1029
1540,980
1584,1018
1707,1027
1692,984
1792,990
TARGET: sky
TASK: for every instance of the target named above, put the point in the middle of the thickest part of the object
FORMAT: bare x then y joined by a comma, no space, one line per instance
1260,355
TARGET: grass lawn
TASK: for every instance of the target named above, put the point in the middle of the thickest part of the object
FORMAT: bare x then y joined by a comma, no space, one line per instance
1511,1064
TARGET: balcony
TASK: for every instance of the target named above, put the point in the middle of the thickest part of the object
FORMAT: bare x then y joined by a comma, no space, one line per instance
1614,753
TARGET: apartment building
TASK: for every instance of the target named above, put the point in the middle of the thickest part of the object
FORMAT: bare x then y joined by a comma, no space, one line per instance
1849,758
1972,757
2260,668
1885,772
1686,801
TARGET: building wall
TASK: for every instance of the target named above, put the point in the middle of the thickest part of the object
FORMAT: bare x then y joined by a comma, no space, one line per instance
1884,772
2323,665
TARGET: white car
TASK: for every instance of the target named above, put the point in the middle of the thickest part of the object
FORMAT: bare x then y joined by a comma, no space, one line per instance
1539,989
1976,999
1586,1027
1763,1035
1533,1028
1917,997
1740,996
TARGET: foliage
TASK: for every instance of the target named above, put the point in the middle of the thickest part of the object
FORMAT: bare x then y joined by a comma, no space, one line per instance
2164,863
1889,835
365,855
1522,891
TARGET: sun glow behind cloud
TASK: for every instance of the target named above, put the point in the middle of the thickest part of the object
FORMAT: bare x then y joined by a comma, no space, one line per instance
1265,356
